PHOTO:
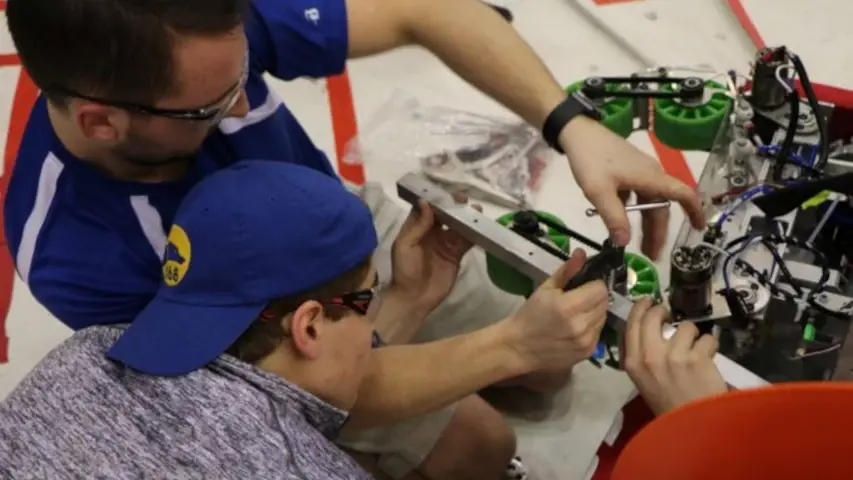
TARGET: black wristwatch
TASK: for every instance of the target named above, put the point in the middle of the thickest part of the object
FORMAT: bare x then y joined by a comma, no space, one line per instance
575,104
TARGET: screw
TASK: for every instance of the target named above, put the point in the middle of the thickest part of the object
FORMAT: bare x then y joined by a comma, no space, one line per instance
591,212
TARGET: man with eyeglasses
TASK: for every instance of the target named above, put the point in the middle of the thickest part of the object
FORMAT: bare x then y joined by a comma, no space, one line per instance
141,100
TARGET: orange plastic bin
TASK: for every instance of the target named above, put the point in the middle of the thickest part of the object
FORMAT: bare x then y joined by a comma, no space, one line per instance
797,431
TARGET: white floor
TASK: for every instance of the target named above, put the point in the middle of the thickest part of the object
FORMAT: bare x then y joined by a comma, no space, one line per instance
577,38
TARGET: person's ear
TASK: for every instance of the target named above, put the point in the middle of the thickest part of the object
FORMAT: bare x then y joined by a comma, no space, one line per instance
306,326
101,123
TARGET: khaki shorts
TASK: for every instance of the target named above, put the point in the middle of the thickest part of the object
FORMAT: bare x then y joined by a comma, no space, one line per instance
474,303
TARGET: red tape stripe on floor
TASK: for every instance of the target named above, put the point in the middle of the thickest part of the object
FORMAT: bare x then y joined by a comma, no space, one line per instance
6,281
739,12
672,160
25,97
9,59
22,103
345,127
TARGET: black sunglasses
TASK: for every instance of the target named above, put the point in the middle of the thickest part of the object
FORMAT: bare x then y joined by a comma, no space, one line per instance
358,301
212,113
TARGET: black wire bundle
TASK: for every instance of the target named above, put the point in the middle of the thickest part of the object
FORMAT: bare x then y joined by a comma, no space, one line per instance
783,201
785,150
823,142
771,241
784,155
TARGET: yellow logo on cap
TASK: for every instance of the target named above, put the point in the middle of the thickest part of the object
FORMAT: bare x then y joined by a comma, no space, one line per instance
176,260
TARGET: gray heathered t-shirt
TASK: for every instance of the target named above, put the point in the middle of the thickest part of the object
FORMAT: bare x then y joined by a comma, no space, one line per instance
80,415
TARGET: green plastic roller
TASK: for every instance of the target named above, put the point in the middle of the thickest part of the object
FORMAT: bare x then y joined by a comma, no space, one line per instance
686,126
643,279
617,114
511,280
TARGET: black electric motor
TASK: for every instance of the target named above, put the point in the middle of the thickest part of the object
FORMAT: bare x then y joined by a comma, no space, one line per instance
767,92
692,269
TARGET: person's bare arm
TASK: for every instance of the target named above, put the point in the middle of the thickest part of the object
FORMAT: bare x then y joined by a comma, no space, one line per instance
485,50
409,380
397,322
554,329
470,38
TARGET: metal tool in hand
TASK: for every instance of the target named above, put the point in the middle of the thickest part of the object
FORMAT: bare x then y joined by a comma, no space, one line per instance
601,266
591,212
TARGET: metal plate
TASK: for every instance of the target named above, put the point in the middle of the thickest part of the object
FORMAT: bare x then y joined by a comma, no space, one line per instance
532,261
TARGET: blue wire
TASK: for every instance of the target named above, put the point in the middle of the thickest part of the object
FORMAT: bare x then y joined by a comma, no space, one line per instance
836,216
845,219
795,158
813,156
743,198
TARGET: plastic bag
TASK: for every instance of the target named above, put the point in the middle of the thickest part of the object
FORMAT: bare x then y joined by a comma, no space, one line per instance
491,159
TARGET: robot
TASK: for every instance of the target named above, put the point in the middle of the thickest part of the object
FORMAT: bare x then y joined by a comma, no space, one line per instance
769,275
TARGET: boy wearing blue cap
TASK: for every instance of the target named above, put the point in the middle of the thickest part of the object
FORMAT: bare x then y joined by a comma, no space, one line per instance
258,343
286,292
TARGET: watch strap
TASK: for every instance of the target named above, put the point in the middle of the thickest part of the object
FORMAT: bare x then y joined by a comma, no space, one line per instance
575,104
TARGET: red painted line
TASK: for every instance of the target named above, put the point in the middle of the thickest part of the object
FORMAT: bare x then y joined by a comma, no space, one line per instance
25,97
7,268
738,10
9,59
344,127
21,108
673,161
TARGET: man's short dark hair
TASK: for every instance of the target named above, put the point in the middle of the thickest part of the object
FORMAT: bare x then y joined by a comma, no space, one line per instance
266,334
119,50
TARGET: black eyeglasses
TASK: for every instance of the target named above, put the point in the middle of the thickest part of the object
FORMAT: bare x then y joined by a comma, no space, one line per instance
358,301
212,113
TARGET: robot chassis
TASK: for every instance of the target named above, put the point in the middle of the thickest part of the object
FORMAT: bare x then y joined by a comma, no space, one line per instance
769,274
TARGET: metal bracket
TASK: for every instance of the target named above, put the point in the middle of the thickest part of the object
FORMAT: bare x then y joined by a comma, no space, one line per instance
533,261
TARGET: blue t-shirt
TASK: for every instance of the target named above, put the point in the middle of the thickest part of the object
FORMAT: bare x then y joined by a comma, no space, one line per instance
90,246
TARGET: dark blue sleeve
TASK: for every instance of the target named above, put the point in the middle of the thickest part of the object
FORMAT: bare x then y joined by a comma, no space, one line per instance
79,302
298,38
96,284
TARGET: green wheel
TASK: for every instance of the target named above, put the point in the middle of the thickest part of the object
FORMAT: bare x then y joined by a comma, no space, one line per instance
511,280
690,127
643,279
617,114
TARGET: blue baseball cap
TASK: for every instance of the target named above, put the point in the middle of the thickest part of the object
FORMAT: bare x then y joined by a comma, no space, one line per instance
246,235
